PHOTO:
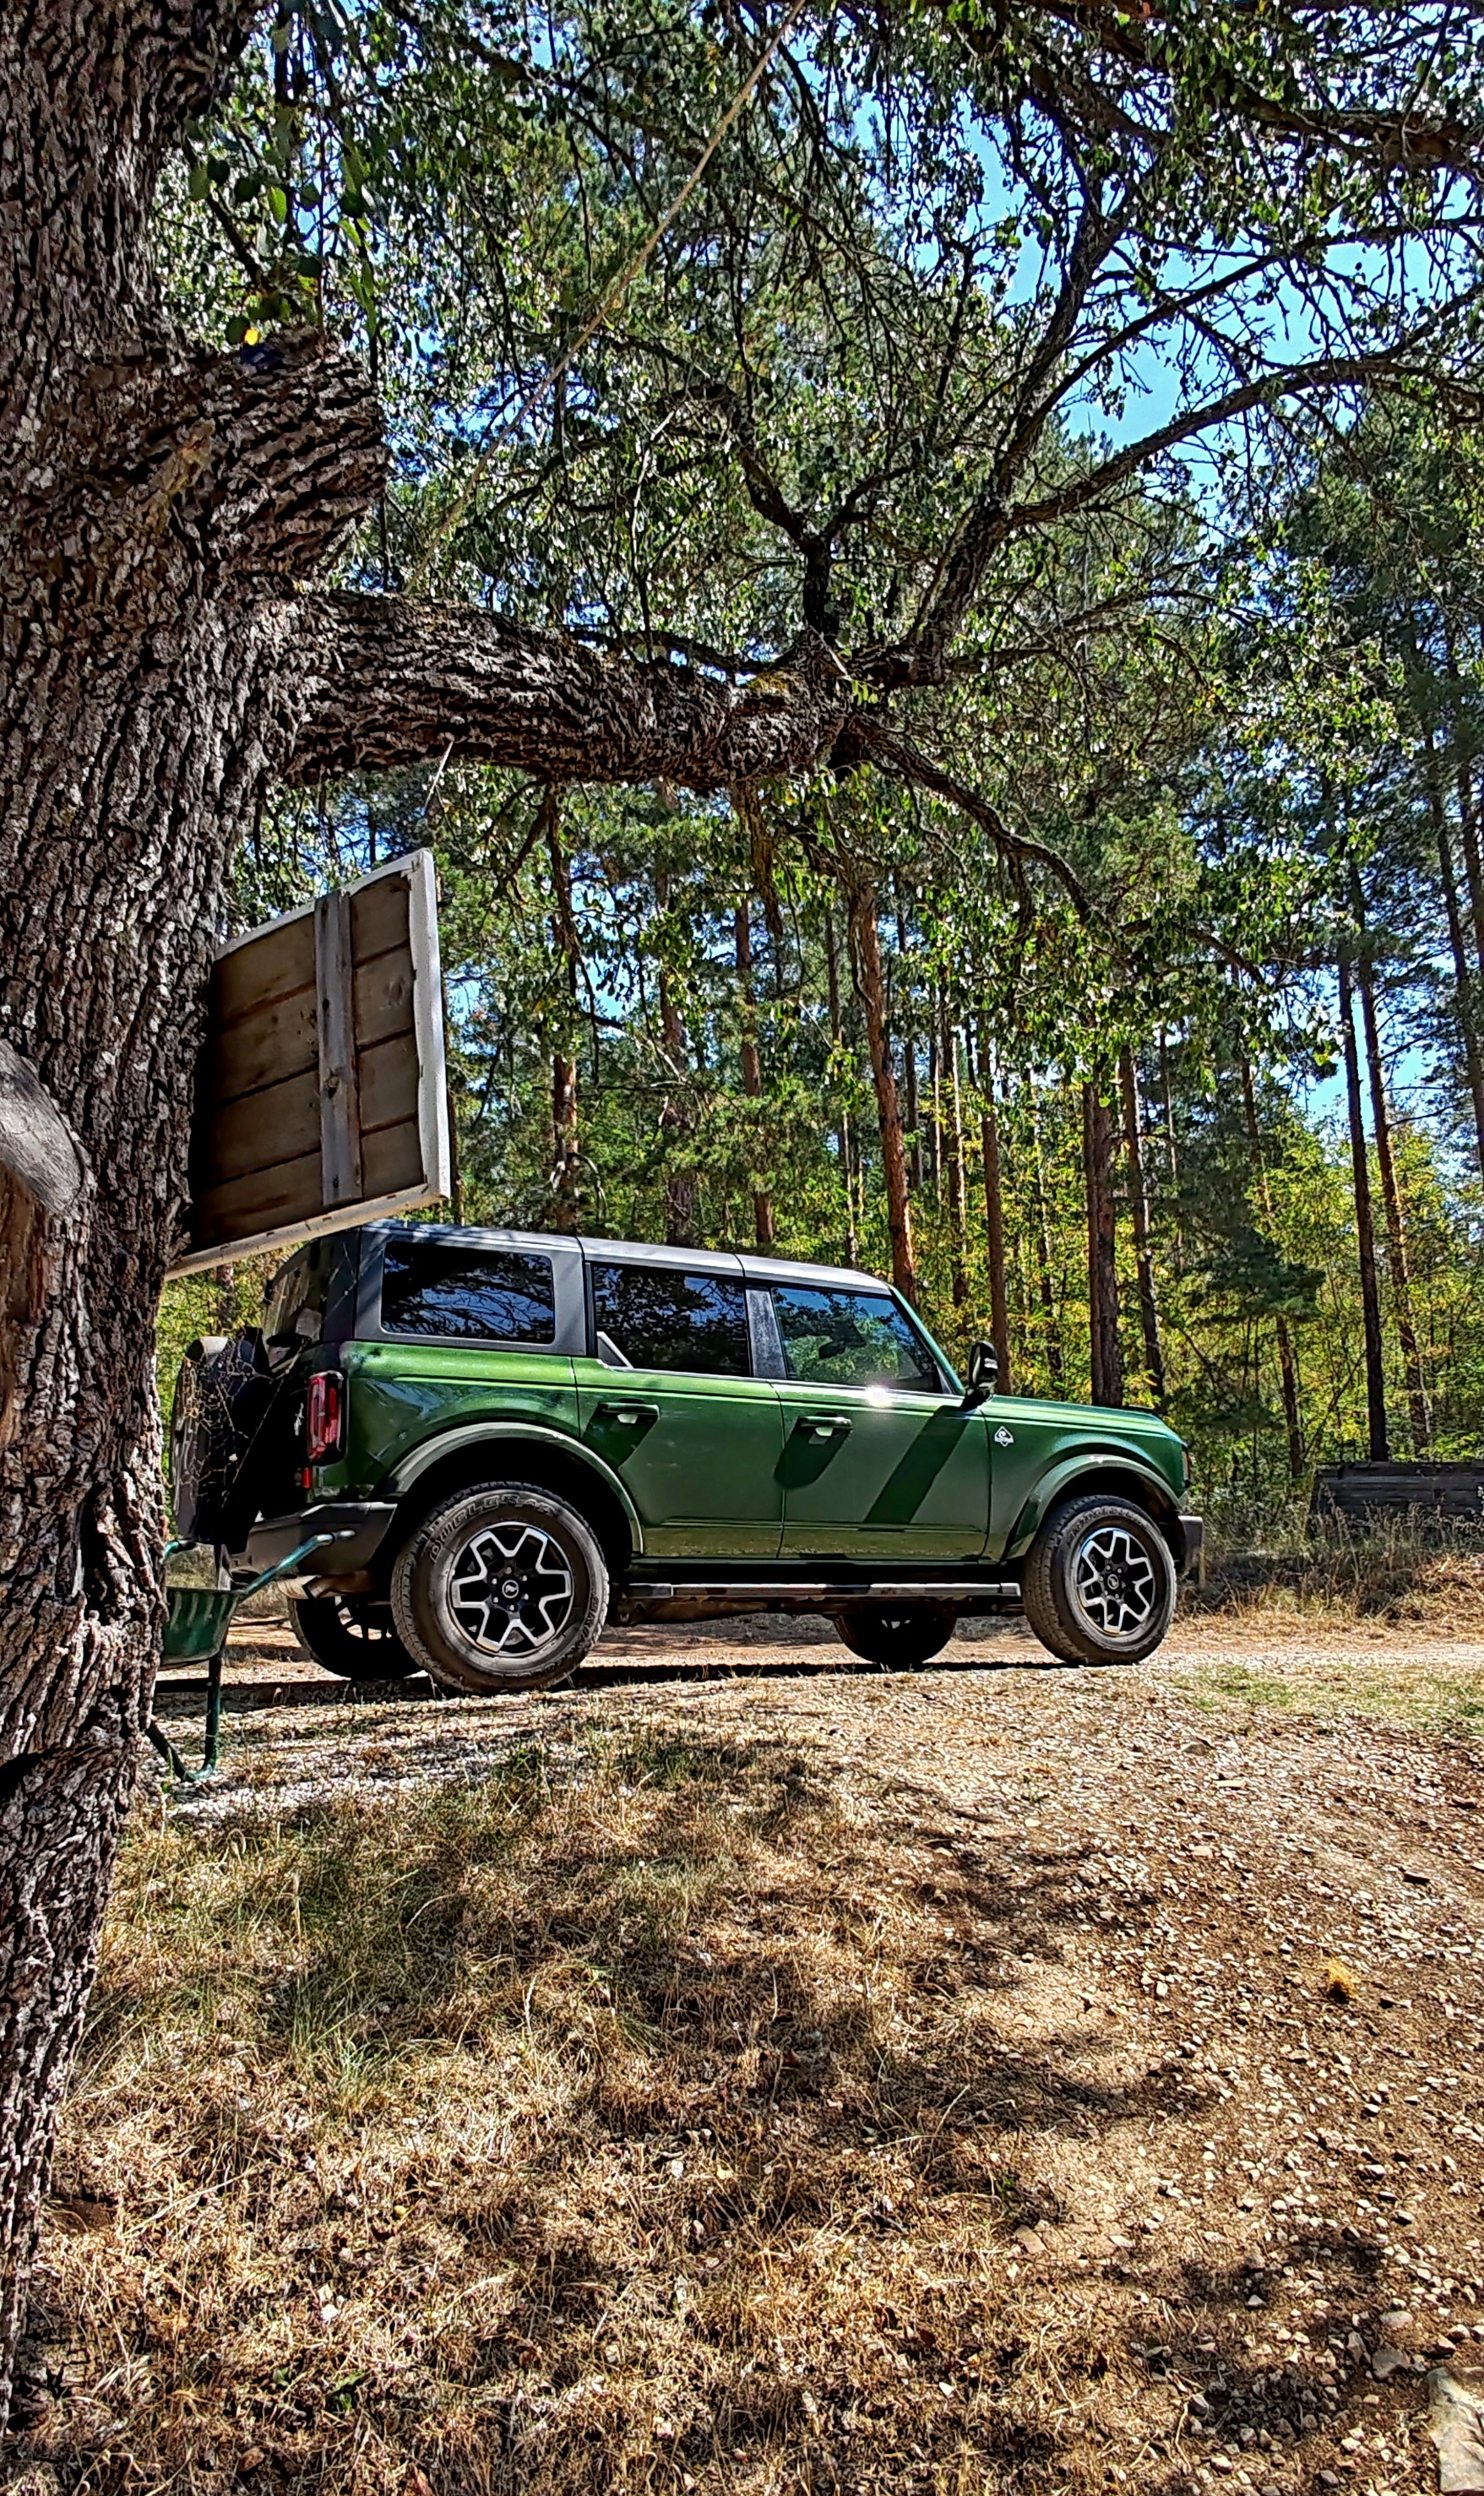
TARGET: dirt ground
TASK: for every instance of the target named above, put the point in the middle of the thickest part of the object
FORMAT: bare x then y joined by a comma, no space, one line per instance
1219,1923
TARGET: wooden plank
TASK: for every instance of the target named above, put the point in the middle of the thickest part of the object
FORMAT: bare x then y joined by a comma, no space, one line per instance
383,999
266,1048
280,1123
388,1087
392,1159
264,1200
379,913
339,1081
263,968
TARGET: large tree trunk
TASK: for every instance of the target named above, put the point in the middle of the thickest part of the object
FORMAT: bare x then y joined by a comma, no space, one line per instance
160,509
888,1117
1376,1441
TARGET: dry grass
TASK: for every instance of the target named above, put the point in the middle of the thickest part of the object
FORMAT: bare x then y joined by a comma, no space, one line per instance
772,2089
1395,1572
619,2131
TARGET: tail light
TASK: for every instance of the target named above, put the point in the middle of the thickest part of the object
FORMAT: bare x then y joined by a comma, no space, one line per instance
325,1416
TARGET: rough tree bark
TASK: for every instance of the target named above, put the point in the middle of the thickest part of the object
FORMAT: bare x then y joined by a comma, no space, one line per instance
843,1131
162,660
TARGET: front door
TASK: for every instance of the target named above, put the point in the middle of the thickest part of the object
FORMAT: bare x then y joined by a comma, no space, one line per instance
695,1436
880,1462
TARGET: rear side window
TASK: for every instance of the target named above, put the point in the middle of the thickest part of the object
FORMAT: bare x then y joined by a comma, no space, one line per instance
851,1339
667,1321
441,1289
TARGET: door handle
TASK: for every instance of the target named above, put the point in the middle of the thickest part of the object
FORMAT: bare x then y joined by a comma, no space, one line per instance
628,1415
824,1425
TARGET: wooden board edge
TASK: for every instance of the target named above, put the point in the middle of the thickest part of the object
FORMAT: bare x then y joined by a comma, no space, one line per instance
309,1226
428,1023
406,863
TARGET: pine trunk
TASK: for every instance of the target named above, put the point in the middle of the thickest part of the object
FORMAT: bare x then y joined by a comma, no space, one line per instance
752,1062
843,1130
873,996
994,1216
566,1162
1464,984
1107,1366
1056,1366
1143,1246
958,1175
1287,1365
1391,1202
1377,1444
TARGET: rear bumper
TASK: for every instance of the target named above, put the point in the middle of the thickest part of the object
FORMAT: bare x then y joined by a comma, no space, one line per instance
1193,1562
364,1522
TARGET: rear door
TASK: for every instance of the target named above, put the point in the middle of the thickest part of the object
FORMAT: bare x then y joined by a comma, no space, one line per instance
881,1460
669,1401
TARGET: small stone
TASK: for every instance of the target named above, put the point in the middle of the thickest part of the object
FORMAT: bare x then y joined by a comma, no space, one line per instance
1397,2319
1389,2361
1031,2243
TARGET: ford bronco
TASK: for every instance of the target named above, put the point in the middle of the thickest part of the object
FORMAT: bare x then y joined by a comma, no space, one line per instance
514,1439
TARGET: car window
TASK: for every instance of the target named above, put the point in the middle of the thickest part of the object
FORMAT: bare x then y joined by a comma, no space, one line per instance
467,1294
660,1319
840,1338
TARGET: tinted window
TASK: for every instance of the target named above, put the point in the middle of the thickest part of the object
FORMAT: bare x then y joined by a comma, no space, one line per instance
851,1339
659,1321
466,1294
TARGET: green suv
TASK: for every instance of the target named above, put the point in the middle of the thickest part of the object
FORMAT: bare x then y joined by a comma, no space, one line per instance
515,1439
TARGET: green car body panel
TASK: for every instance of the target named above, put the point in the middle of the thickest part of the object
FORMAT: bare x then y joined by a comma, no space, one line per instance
754,1472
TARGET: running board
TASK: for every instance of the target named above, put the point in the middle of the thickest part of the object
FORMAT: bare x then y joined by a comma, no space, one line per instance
794,1592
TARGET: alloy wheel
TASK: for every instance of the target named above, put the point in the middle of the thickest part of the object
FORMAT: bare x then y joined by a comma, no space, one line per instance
1115,1582
511,1590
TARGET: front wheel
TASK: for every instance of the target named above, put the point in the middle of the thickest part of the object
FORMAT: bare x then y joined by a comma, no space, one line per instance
351,1636
899,1636
500,1589
1100,1582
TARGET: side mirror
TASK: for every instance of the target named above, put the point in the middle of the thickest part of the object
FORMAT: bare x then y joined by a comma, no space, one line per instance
982,1370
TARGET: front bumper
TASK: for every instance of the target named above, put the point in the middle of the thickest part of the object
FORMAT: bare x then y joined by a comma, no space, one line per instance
1194,1563
361,1523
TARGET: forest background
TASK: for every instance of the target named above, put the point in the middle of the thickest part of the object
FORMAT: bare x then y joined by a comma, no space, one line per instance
1138,1021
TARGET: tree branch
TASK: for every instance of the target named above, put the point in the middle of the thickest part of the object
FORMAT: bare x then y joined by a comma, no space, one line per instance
386,681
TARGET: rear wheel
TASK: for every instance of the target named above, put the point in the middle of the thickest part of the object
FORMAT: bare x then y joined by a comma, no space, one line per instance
353,1637
502,1588
898,1635
1100,1582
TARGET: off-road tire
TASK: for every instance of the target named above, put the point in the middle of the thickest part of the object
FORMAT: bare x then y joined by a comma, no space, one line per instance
898,1635
1099,1582
352,1636
451,1581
